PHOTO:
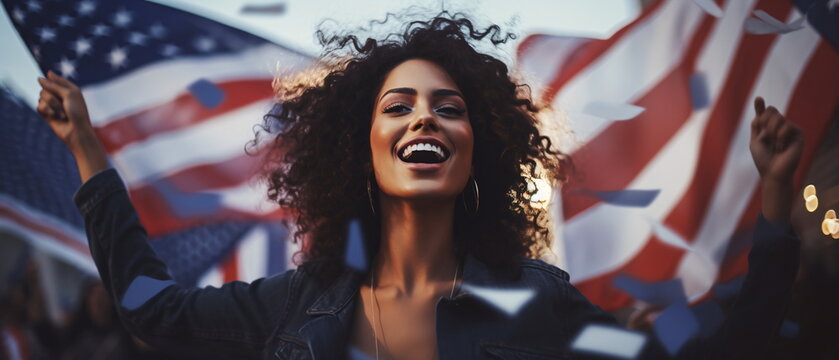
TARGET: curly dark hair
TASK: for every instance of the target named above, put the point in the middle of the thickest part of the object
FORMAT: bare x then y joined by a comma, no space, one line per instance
320,162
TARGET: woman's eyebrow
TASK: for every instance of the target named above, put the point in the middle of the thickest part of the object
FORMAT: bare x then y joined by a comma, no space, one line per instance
446,92
412,91
402,90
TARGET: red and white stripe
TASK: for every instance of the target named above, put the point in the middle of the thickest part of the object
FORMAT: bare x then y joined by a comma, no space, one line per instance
46,232
698,158
162,131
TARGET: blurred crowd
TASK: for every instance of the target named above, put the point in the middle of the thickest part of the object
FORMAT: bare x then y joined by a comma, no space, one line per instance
91,330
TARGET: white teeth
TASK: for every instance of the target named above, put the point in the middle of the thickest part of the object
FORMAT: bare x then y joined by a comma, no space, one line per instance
423,147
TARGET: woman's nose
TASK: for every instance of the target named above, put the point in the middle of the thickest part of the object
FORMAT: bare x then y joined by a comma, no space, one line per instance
425,119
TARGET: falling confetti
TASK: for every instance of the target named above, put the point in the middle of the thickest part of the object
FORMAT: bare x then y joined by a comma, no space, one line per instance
633,198
207,93
187,205
710,7
660,293
510,301
766,24
675,326
264,9
142,289
699,91
610,341
355,256
667,235
356,354
612,111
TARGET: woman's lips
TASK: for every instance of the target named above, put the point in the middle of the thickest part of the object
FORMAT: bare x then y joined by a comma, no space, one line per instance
427,143
424,167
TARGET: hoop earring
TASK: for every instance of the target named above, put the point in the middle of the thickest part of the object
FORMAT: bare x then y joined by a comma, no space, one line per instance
370,195
477,196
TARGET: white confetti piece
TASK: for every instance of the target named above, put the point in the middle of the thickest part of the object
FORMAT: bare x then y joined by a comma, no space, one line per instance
667,235
264,9
610,341
710,7
509,301
766,24
612,111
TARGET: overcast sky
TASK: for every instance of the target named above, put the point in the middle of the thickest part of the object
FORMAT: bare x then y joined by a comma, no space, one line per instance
296,26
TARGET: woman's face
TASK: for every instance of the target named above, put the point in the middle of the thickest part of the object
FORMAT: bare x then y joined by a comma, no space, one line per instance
420,138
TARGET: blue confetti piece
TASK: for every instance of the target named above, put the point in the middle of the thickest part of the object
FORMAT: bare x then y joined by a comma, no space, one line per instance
357,354
789,330
634,198
675,326
730,289
209,94
355,256
188,205
275,126
710,317
660,293
141,290
699,91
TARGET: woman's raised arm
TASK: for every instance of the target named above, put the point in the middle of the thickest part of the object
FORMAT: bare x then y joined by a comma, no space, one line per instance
62,105
233,321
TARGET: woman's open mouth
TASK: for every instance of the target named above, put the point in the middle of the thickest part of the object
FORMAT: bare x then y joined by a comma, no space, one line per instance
424,151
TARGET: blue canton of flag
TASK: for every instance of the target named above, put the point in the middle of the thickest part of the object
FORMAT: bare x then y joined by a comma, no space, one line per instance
90,42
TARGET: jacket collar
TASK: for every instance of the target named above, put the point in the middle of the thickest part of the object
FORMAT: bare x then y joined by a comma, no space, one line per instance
342,292
338,295
333,312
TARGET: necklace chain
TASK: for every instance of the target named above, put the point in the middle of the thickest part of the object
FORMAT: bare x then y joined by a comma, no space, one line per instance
373,311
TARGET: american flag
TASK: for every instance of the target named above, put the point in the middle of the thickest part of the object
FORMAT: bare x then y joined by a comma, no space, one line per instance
173,97
672,192
37,181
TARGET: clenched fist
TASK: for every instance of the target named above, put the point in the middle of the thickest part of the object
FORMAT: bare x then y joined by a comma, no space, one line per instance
63,107
776,144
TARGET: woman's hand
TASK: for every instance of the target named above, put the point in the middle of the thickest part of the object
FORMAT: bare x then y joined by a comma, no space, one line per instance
62,105
776,145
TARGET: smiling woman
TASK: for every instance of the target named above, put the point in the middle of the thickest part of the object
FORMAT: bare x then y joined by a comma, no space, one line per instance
428,85
434,149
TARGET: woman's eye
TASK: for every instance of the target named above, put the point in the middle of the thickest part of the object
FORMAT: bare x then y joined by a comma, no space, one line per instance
450,110
396,108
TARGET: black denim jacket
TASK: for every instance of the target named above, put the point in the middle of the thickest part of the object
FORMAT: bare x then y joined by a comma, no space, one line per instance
297,316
